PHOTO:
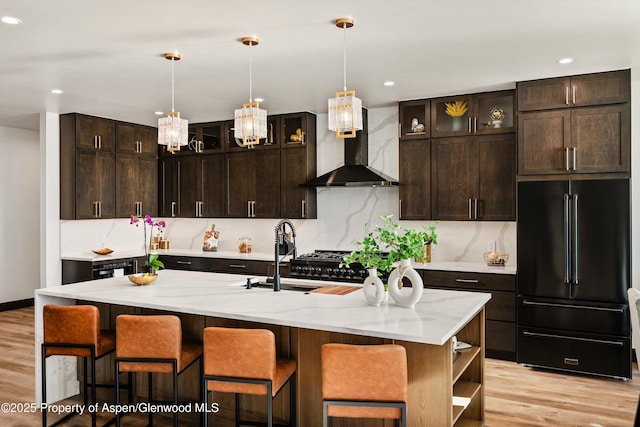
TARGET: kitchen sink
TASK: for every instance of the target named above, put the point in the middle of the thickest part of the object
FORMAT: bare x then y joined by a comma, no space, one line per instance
298,287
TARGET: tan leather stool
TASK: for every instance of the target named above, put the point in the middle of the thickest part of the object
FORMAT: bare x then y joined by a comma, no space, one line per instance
74,330
364,381
153,344
243,361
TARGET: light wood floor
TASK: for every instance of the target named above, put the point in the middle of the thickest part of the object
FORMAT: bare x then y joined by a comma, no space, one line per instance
515,395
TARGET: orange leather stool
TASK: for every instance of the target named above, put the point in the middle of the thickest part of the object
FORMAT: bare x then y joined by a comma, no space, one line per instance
364,381
151,344
74,330
243,361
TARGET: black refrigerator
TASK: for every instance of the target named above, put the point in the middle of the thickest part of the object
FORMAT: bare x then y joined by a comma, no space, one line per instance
574,269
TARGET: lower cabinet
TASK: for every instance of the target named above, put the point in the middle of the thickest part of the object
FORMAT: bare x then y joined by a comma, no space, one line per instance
216,265
500,323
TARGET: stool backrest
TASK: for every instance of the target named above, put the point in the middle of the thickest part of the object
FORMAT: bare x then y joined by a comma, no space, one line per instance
364,372
153,336
242,353
71,324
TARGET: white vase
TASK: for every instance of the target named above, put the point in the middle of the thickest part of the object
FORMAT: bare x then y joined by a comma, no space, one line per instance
402,298
373,288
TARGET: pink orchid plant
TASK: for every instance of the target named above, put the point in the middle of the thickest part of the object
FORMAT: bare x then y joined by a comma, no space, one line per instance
151,261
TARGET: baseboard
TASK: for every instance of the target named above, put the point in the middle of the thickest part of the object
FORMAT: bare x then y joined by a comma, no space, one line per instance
14,305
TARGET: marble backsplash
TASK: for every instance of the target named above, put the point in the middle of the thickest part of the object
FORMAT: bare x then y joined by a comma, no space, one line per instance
342,213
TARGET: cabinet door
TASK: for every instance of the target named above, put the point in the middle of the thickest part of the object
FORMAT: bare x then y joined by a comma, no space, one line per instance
451,116
454,176
601,88
496,177
240,183
295,130
494,112
126,141
127,185
543,94
293,172
415,179
148,138
266,184
600,139
95,185
148,184
95,133
188,186
543,141
168,183
213,175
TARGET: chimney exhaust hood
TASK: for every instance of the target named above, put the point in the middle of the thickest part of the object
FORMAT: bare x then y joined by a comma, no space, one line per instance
355,172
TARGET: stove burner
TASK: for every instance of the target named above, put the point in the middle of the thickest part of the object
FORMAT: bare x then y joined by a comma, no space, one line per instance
326,265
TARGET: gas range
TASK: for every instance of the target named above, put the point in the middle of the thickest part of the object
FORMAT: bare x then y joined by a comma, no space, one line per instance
325,265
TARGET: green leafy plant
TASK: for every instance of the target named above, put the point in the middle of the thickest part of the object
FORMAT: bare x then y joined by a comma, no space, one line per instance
403,245
369,255
151,261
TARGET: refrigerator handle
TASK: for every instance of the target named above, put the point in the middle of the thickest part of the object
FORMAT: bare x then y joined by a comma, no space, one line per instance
566,238
574,263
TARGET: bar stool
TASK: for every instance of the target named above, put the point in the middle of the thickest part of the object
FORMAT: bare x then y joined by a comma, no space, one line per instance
243,361
152,343
74,330
364,381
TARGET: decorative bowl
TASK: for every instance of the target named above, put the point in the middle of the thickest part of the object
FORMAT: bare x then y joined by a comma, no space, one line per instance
142,279
103,251
496,259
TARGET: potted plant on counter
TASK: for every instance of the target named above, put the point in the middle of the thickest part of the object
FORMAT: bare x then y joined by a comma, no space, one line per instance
430,237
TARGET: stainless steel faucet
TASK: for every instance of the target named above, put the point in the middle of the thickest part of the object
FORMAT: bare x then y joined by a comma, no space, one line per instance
281,234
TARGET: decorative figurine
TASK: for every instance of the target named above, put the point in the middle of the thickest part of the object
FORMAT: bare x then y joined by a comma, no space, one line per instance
297,137
496,114
416,126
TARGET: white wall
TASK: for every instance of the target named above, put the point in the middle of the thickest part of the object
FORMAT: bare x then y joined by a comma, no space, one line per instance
342,212
19,214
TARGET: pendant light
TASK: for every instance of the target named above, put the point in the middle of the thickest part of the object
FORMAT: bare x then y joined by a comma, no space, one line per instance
345,110
172,130
250,121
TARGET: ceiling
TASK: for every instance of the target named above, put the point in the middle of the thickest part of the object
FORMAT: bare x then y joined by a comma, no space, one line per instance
107,54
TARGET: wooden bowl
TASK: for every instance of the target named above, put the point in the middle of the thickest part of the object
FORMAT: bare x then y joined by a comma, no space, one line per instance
142,279
103,251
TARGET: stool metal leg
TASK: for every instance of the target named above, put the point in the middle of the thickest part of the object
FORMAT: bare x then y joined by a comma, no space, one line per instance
44,385
175,393
150,397
117,379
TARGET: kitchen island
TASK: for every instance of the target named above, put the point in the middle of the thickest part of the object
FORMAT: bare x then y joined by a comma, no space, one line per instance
303,321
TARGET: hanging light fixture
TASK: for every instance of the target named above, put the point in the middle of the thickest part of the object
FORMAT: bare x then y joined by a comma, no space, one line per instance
172,130
250,121
345,110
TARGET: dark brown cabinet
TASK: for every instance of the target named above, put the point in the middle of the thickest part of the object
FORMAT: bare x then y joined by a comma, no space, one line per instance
500,326
216,265
136,139
473,178
297,167
612,87
200,183
415,179
253,184
93,193
93,132
582,126
136,185
415,119
483,113
168,188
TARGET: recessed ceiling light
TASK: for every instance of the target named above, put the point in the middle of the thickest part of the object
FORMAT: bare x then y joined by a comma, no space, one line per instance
389,83
565,60
57,91
11,20
259,99
158,113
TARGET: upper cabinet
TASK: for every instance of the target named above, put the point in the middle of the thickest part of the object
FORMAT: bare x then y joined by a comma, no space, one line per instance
415,119
483,113
93,133
582,126
415,179
578,91
136,139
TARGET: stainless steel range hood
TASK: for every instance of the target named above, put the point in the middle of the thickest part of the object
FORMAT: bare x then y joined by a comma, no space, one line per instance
355,172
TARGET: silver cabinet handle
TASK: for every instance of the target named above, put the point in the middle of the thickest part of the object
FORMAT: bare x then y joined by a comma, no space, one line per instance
183,262
248,208
470,208
100,142
400,207
95,209
173,209
573,90
399,130
196,209
566,95
475,124
164,189
469,120
303,208
135,266
475,208
467,281
575,159
253,210
564,337
580,307
566,158
237,266
201,209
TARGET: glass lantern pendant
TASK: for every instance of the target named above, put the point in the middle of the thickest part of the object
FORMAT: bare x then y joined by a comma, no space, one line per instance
250,122
345,110
172,130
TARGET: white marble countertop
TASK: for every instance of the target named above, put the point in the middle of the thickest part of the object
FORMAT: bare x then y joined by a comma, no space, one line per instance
434,320
472,267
